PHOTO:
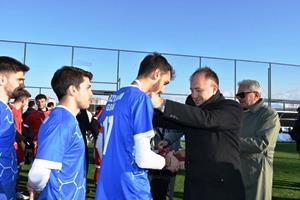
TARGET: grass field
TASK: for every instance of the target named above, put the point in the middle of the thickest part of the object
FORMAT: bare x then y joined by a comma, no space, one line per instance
286,182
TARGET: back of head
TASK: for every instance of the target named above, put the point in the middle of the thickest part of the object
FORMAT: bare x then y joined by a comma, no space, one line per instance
154,61
208,73
31,104
50,105
66,76
8,64
252,85
20,95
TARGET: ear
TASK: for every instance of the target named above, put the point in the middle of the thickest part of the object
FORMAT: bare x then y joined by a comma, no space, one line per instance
3,79
156,74
72,90
257,95
215,88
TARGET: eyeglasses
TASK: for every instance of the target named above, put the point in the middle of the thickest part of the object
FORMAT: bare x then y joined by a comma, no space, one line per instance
242,94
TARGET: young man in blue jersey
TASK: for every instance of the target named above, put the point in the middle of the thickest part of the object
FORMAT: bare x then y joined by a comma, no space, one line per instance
11,79
127,130
59,170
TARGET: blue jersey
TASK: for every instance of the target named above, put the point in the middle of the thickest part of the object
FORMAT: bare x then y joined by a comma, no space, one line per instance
60,141
128,112
8,160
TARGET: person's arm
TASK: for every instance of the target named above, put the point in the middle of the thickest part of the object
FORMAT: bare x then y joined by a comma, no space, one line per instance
54,137
19,137
264,137
161,122
142,114
144,156
39,174
224,115
99,144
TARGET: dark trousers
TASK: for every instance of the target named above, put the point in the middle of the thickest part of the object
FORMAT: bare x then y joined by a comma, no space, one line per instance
160,180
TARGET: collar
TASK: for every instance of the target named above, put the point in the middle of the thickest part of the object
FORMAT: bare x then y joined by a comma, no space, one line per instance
138,84
66,108
3,101
42,110
216,97
256,106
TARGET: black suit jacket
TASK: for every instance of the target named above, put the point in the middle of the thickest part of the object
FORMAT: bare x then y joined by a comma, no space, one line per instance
212,146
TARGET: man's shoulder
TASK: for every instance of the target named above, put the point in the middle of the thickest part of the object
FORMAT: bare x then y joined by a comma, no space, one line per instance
60,116
4,109
133,94
268,111
229,102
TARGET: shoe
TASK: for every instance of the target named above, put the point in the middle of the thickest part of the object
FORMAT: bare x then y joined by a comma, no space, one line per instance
20,195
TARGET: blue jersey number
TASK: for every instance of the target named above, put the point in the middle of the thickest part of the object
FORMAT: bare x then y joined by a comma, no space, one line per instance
107,127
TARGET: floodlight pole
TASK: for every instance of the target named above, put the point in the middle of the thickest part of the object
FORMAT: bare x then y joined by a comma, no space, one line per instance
25,52
118,71
269,84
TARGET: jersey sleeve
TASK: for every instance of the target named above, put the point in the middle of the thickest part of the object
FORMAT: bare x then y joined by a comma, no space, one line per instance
53,141
142,114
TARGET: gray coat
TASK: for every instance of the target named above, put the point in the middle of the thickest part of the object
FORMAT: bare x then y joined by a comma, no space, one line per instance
258,140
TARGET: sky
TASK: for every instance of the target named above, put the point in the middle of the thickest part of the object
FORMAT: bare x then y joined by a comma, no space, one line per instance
261,30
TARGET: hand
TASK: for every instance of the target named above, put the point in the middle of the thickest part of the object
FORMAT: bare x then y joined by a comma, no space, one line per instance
172,163
157,101
31,195
31,192
180,155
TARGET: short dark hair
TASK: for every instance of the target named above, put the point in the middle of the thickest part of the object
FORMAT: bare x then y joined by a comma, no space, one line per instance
208,73
66,76
9,64
155,61
50,104
31,103
20,94
40,96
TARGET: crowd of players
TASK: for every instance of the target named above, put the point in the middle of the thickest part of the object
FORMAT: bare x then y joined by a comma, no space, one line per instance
56,144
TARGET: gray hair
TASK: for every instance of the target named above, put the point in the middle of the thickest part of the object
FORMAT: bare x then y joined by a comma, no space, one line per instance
252,85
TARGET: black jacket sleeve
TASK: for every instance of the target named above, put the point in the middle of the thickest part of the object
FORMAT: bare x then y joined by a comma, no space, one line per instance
161,122
223,115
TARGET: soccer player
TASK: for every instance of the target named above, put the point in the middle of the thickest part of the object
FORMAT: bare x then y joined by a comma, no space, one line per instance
11,79
127,130
36,118
59,170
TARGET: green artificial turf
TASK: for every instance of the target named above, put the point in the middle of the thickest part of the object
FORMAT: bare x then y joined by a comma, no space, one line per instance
286,181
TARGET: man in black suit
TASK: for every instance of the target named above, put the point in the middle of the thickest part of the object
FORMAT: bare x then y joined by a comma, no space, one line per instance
211,125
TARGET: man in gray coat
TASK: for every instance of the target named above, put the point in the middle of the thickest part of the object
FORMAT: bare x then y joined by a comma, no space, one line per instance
258,140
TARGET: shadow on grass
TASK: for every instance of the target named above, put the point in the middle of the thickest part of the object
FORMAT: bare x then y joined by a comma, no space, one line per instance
286,185
286,147
178,195
282,198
